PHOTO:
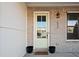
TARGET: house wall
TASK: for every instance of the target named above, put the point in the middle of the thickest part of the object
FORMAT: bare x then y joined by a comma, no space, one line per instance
58,35
12,29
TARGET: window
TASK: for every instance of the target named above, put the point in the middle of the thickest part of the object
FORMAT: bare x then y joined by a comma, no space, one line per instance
41,27
38,18
43,18
41,21
72,26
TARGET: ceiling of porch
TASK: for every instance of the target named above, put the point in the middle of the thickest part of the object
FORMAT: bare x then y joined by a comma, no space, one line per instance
51,4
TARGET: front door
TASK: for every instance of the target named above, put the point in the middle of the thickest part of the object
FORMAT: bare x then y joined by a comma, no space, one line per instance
41,31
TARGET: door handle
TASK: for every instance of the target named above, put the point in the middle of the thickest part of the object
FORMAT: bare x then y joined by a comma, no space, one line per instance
47,35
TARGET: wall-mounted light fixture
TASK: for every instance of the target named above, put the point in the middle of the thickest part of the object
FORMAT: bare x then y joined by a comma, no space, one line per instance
57,15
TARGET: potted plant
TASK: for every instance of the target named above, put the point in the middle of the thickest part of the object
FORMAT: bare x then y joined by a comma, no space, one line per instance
29,49
52,49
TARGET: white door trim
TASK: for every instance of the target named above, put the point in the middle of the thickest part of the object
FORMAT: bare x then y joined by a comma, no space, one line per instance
34,35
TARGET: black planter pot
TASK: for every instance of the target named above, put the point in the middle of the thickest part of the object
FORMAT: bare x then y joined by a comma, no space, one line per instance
29,49
52,49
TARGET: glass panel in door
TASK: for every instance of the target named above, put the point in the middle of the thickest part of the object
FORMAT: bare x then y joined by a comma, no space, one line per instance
41,27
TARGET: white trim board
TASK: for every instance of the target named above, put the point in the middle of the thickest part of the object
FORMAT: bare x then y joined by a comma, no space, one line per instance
73,11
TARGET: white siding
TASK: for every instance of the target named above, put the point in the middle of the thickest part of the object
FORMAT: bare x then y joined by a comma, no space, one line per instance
12,29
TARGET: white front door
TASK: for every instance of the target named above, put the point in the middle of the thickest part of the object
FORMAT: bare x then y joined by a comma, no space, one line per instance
41,31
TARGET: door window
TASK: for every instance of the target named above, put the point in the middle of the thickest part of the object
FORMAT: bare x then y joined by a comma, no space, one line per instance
41,27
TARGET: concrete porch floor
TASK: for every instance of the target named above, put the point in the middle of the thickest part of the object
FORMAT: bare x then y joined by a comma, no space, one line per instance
57,54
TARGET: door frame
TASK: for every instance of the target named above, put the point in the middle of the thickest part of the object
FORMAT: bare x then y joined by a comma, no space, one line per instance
34,36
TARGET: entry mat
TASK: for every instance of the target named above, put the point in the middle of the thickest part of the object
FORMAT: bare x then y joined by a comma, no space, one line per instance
41,53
